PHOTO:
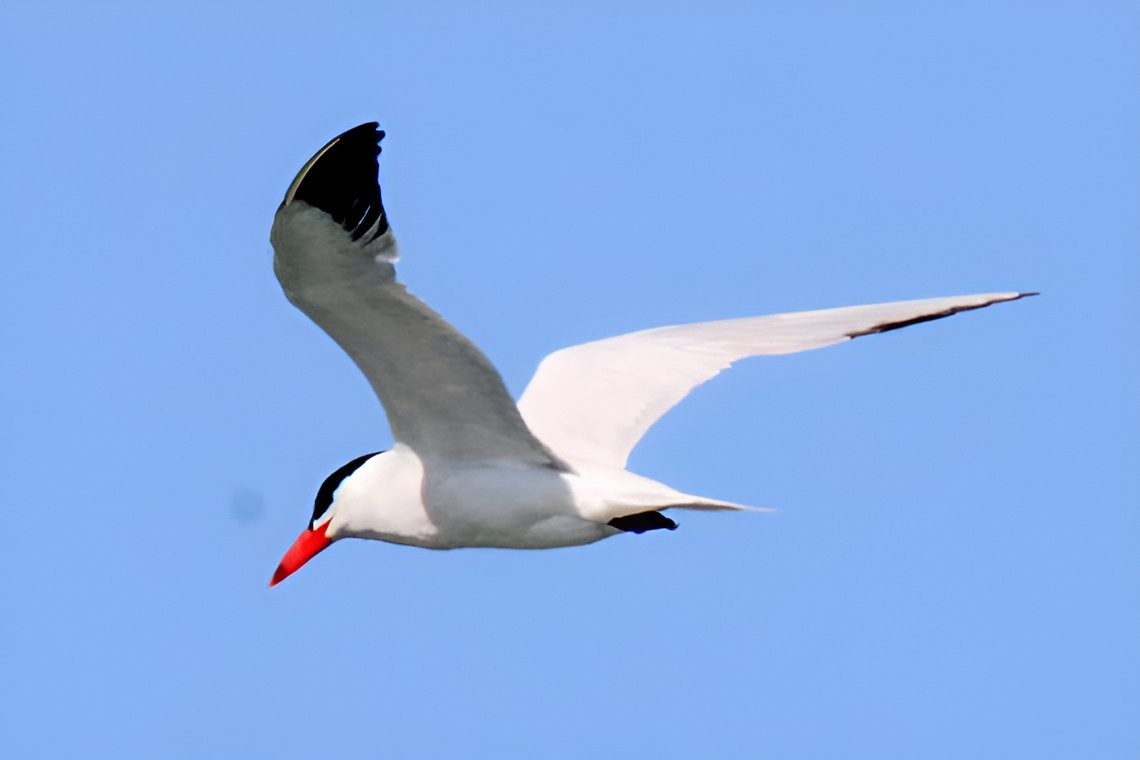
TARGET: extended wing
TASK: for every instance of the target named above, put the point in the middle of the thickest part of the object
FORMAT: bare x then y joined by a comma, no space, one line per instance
334,255
593,402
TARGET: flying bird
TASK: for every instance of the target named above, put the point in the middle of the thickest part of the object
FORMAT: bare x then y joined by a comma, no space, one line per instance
469,466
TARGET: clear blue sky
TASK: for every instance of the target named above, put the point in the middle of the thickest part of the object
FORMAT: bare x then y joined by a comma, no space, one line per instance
953,571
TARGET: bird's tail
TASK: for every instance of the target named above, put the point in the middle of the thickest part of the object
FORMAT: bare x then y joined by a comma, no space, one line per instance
700,502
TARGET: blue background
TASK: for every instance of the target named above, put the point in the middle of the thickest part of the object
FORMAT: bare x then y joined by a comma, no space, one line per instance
953,570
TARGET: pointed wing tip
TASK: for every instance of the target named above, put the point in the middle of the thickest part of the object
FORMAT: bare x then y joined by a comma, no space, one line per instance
367,133
342,179
888,326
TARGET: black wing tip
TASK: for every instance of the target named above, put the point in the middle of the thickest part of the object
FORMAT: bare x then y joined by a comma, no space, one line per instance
898,325
341,179
367,136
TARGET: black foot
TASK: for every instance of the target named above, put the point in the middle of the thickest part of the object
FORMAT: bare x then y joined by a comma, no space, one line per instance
642,522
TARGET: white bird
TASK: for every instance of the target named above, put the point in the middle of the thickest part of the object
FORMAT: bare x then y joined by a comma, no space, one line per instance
469,467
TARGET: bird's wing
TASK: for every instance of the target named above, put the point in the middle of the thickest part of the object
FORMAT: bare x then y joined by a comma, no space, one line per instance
334,256
593,402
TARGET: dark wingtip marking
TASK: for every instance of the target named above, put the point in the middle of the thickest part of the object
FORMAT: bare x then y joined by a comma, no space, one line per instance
332,482
342,181
642,522
888,326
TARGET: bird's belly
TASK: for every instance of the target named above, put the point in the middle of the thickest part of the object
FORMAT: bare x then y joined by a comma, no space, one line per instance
507,506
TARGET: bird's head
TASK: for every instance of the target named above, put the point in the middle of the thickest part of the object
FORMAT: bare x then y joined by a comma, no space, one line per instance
320,531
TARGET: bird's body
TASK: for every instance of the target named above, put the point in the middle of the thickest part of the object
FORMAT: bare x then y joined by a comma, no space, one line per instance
398,497
469,467
442,505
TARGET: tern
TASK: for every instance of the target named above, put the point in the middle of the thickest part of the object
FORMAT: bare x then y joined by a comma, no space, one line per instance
470,467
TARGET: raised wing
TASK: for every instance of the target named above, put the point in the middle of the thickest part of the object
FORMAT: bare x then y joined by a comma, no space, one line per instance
593,402
334,255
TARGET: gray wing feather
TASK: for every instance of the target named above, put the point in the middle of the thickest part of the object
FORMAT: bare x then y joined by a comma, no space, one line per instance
442,396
